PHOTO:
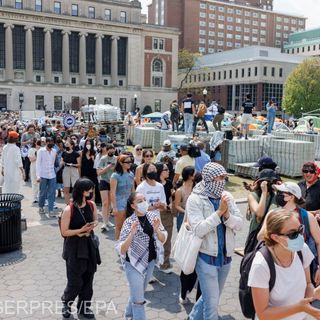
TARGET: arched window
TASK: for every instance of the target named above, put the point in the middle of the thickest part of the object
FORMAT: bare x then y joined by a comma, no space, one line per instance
157,73
157,66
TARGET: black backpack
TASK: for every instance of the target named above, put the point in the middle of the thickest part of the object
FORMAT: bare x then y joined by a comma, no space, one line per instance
194,151
221,110
245,295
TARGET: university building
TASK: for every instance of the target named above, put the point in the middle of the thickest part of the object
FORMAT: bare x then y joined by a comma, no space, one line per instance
305,43
210,26
229,76
55,55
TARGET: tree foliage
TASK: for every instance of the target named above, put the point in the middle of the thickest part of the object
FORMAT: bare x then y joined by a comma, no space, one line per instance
186,62
302,88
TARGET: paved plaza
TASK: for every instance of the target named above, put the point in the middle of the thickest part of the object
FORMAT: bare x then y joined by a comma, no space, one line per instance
34,278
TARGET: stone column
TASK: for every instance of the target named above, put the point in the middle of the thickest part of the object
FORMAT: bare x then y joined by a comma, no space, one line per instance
114,61
65,57
233,97
99,38
82,59
47,56
29,54
9,52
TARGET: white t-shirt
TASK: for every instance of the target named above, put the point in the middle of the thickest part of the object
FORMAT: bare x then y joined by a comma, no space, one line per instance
290,284
152,194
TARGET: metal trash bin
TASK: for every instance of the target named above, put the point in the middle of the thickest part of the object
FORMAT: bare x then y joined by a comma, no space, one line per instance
10,222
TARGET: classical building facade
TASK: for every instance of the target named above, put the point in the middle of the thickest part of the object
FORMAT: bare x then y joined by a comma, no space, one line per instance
229,76
305,43
55,55
210,26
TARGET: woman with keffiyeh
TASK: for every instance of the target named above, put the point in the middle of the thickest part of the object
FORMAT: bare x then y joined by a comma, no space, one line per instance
214,217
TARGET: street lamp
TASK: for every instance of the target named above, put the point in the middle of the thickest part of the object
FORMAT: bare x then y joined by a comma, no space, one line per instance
205,92
21,100
135,97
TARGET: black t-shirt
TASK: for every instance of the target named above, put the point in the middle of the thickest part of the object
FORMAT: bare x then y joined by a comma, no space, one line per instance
187,105
70,157
248,105
167,190
311,195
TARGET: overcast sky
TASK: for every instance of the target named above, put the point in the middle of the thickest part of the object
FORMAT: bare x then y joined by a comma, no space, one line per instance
307,8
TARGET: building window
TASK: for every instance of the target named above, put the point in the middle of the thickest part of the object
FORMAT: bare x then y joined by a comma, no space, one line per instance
242,73
38,48
90,81
75,103
122,56
273,71
280,72
249,72
38,6
2,46
19,4
74,80
157,105
123,105
158,44
74,10
120,83
56,44
19,59
56,79
39,101
224,74
108,100
209,76
230,74
91,53
157,73
106,55
107,14
265,71
57,7
74,52
123,17
219,75
255,71
214,76
38,79
57,103
237,73
105,82
91,12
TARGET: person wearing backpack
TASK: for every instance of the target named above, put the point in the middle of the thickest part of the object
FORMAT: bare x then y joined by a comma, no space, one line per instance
292,290
80,249
201,111
218,118
215,218
289,197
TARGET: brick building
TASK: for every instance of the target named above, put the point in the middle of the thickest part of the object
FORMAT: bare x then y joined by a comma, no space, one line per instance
210,26
55,55
229,76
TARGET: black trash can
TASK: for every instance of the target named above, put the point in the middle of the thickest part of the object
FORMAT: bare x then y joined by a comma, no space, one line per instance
10,222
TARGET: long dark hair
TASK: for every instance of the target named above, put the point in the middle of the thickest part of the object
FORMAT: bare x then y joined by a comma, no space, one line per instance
85,150
144,152
145,169
81,185
159,166
118,168
130,210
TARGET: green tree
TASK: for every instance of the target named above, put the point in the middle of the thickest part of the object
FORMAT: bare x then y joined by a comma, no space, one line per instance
186,62
302,88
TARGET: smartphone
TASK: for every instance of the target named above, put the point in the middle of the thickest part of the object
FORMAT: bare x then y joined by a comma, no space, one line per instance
92,223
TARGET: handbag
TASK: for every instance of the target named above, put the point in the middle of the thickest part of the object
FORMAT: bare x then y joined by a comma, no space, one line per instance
186,247
59,175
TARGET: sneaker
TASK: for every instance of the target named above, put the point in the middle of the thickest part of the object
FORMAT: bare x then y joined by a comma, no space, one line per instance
104,227
110,224
153,280
183,301
166,270
35,201
66,311
52,214
41,211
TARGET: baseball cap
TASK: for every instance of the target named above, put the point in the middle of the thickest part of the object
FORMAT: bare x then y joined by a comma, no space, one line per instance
13,135
289,187
166,143
184,147
265,162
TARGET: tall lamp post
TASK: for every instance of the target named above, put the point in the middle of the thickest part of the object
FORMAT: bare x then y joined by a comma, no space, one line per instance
205,92
135,97
21,100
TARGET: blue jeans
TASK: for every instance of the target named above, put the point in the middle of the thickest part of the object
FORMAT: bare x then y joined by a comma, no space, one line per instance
271,119
180,218
212,280
188,122
137,286
47,191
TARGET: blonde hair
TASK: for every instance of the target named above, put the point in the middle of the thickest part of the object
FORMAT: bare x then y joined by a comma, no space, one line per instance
274,224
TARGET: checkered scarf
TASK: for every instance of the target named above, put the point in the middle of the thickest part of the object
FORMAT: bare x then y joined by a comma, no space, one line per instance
208,187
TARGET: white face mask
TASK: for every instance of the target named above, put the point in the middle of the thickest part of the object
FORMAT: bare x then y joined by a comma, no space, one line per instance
143,207
88,147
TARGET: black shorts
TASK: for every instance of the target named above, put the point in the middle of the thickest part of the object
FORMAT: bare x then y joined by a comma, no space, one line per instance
104,185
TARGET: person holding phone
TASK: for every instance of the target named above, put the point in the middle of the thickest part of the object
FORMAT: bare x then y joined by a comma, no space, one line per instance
80,249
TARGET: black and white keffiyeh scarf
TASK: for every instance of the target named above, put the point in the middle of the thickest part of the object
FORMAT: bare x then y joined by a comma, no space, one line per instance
208,187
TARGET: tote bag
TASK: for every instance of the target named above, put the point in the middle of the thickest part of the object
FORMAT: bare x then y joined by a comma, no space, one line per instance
186,248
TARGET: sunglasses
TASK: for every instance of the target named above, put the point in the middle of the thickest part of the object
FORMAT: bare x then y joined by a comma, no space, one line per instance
294,234
308,171
127,162
148,156
138,149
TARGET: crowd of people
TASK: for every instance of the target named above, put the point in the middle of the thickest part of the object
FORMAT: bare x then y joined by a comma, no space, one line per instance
147,195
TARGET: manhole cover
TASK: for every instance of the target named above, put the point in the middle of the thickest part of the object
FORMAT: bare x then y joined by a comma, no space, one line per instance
10,258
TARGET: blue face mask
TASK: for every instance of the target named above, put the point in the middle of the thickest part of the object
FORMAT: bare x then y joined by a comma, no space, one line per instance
295,245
